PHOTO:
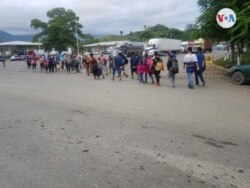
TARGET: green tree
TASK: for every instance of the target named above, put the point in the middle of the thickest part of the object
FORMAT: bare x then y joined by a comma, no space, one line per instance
59,31
241,30
238,34
191,32
208,27
146,35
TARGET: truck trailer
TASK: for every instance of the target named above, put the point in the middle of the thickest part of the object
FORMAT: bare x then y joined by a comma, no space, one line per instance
162,46
205,44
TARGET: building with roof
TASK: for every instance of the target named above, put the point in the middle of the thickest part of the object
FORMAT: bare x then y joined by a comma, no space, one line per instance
103,47
18,47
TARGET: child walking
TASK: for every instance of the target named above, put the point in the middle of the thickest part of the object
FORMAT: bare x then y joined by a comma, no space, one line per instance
141,71
148,69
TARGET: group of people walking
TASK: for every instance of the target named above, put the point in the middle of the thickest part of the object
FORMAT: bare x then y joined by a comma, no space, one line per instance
142,67
54,63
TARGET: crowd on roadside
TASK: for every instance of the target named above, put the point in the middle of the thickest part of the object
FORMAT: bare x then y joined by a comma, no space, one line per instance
142,68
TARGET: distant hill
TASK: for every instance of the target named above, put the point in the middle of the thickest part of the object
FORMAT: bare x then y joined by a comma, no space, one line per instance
6,37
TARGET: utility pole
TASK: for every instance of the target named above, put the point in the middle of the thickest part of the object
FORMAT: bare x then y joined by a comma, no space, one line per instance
77,45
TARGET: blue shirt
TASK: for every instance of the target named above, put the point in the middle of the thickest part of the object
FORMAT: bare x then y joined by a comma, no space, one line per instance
200,58
118,60
134,61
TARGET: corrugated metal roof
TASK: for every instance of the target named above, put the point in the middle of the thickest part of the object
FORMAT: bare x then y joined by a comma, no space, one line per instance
20,43
113,43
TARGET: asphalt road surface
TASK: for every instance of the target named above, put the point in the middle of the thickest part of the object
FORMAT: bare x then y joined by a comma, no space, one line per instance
70,131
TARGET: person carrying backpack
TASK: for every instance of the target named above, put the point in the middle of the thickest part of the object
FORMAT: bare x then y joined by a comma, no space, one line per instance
148,68
67,62
118,62
173,68
125,62
157,68
133,64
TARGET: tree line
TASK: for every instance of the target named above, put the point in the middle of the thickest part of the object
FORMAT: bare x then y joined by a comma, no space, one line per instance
237,36
63,28
60,31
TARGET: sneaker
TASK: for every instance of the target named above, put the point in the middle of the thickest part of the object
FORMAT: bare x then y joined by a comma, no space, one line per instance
157,85
173,85
203,83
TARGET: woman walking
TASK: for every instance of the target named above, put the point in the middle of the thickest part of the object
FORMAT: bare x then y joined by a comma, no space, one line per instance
157,68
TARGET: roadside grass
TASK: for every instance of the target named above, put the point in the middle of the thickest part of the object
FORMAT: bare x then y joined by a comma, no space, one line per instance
227,64
246,57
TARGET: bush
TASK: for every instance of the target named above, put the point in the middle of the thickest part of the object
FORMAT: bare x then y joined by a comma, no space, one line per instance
227,64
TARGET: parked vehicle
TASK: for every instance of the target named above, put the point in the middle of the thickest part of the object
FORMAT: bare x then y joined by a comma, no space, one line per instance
2,58
129,49
239,74
205,44
162,46
15,58
185,45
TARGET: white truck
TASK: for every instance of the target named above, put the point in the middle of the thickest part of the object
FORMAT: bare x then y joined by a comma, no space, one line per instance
162,46
205,44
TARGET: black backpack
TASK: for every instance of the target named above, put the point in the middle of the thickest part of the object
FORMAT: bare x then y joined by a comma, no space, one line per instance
175,66
125,60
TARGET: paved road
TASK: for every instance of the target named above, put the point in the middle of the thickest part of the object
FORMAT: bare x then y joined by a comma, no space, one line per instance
67,130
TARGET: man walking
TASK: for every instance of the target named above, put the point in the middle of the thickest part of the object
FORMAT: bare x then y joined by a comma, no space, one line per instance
2,58
133,64
190,64
118,64
202,66
172,66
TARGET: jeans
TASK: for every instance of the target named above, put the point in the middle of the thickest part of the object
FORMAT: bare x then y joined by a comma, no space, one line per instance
141,78
118,69
190,79
68,67
150,74
198,74
171,77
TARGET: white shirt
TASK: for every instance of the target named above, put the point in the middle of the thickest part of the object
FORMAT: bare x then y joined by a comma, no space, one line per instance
190,58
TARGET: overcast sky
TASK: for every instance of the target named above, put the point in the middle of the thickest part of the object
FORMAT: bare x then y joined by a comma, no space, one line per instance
100,16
